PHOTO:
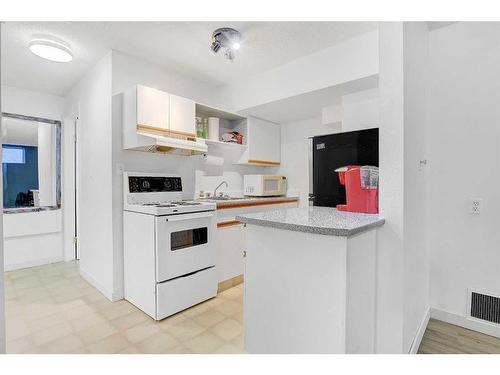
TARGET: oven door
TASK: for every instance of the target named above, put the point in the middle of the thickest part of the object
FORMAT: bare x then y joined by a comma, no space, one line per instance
184,244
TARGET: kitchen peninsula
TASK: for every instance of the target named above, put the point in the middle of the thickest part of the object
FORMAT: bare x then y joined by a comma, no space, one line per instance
310,281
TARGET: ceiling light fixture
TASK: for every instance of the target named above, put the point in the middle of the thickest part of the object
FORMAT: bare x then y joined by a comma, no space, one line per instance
50,49
228,39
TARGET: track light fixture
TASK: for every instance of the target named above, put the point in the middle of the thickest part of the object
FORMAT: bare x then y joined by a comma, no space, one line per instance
228,39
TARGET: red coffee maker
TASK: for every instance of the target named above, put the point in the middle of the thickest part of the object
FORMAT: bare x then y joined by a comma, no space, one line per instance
361,188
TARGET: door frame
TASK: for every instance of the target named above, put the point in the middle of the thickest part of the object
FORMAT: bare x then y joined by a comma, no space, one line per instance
71,187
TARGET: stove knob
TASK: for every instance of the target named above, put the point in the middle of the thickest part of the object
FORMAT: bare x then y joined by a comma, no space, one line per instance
177,184
167,184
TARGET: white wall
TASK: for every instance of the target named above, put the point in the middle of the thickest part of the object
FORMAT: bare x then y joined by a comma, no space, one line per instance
208,177
129,70
360,110
32,239
91,99
464,162
416,180
348,61
40,245
390,256
31,103
295,154
403,262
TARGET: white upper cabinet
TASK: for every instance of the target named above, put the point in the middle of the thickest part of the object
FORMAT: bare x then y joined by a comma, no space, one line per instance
182,116
155,111
153,108
263,143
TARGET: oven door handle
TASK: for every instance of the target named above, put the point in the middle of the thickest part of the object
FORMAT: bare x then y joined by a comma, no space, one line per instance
194,215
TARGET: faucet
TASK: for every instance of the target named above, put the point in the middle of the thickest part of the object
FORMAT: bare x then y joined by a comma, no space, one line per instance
218,186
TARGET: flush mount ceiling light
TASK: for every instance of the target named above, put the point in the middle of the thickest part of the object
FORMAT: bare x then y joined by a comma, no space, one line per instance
228,39
50,49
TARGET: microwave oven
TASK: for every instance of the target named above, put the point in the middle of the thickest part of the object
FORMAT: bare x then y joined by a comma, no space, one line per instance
261,185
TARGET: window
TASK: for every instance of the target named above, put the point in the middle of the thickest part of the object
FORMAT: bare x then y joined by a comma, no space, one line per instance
13,155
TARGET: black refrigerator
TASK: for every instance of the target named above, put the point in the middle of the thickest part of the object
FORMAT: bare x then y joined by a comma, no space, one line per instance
329,152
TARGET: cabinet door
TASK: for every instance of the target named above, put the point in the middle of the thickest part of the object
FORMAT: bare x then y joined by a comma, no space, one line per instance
230,242
182,116
264,142
152,108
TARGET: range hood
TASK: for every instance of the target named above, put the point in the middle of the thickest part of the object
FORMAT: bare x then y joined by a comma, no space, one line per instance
151,142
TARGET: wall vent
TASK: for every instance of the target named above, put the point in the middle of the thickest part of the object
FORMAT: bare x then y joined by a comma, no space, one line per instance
485,307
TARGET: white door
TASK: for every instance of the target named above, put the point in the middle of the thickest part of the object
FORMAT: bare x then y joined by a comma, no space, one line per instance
182,116
184,244
152,108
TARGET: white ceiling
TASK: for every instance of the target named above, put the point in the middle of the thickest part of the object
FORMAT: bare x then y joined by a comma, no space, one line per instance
178,46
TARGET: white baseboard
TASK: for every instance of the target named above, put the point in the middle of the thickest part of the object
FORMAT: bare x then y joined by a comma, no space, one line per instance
465,322
420,333
32,263
116,296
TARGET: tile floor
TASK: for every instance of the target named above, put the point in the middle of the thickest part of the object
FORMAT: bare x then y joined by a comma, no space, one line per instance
51,309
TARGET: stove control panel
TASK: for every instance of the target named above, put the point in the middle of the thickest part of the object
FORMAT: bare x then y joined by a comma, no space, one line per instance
146,184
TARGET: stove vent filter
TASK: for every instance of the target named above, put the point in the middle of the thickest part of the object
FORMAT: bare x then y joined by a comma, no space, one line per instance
485,307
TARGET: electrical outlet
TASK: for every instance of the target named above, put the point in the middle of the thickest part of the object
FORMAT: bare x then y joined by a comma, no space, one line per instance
475,206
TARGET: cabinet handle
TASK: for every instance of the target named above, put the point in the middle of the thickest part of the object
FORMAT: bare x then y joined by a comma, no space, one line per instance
244,253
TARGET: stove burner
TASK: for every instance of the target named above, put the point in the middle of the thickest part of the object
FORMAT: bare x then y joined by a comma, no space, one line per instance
171,204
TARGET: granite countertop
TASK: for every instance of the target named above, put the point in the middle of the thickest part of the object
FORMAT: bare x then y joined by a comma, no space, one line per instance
316,220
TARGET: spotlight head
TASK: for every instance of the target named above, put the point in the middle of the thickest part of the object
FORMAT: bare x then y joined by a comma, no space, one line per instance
215,46
229,54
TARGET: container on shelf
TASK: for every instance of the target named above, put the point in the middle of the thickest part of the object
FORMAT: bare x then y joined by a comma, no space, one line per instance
205,128
213,128
199,127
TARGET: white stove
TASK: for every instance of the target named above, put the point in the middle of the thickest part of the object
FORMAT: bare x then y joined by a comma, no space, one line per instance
169,254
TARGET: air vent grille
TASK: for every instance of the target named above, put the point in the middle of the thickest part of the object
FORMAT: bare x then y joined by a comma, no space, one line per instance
485,307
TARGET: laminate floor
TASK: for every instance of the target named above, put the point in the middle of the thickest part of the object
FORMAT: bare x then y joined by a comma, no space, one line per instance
445,338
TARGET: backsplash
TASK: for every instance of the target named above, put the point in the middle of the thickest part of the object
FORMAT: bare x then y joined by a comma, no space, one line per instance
207,177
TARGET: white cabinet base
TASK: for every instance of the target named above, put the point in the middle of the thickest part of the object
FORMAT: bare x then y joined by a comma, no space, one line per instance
230,243
307,293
